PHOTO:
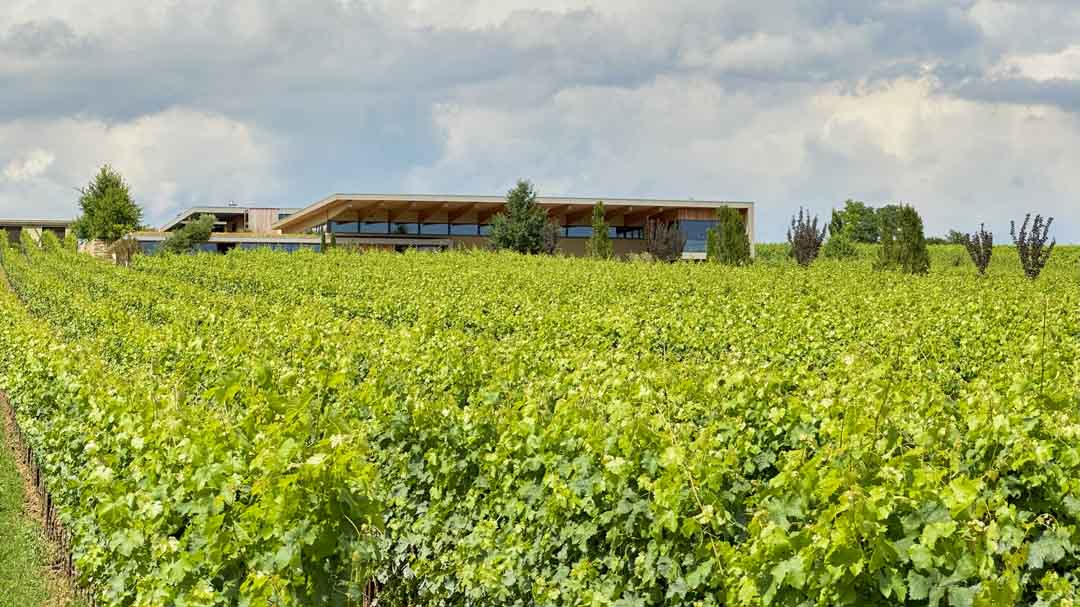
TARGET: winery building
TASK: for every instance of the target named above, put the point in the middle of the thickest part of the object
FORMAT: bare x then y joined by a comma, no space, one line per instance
437,222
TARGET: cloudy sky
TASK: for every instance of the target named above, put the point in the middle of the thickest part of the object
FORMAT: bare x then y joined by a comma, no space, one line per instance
965,109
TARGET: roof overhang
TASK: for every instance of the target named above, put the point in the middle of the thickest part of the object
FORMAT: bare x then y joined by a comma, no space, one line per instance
337,204
189,214
36,223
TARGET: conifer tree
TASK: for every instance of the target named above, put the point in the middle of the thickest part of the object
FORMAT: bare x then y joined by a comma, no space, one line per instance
108,213
727,241
599,242
903,243
524,226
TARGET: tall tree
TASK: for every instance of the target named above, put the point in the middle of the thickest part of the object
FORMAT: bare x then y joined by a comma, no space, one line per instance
524,226
860,221
599,241
108,212
727,241
903,243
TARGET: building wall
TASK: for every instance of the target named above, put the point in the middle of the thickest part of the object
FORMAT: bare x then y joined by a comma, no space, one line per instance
260,220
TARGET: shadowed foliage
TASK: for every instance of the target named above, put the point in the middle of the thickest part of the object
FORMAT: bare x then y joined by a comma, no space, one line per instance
1031,246
805,238
980,246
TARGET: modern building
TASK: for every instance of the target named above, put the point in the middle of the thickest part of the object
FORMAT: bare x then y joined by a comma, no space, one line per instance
13,227
396,221
233,219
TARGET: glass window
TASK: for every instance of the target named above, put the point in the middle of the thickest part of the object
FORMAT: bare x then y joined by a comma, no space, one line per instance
464,229
439,229
578,231
697,234
404,228
484,229
374,227
629,232
282,215
346,227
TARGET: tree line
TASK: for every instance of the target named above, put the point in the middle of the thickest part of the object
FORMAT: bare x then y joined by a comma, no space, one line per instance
109,213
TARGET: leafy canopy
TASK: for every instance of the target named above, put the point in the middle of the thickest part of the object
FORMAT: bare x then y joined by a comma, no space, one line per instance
524,226
107,210
191,235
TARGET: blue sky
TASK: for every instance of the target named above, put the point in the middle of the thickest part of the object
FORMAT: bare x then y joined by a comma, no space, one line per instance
966,110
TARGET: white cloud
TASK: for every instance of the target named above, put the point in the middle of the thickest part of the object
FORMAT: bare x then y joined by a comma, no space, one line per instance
778,101
171,159
959,162
33,164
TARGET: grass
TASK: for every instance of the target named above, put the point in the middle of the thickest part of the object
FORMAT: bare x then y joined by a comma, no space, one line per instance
22,551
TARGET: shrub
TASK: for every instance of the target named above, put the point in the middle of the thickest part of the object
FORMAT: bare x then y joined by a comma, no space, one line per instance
599,244
839,246
860,220
728,242
28,243
664,241
903,244
980,246
524,227
108,213
50,242
1031,246
804,238
193,234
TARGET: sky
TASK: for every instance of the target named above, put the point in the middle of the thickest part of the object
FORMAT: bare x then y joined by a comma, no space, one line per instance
967,110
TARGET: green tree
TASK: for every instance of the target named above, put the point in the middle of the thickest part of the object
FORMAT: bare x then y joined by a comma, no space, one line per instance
728,243
600,242
524,226
108,213
903,243
836,223
860,220
193,234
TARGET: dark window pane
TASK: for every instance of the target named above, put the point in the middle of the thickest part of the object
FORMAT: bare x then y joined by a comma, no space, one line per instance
374,227
578,231
485,229
697,234
346,227
438,229
464,229
404,228
630,232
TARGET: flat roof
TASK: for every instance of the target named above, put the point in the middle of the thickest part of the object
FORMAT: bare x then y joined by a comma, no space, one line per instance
37,223
212,210
326,204
253,238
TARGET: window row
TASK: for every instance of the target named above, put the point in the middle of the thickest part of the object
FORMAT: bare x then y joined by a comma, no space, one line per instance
463,229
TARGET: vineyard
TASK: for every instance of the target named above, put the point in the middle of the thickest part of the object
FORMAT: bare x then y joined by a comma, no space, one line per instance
472,428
